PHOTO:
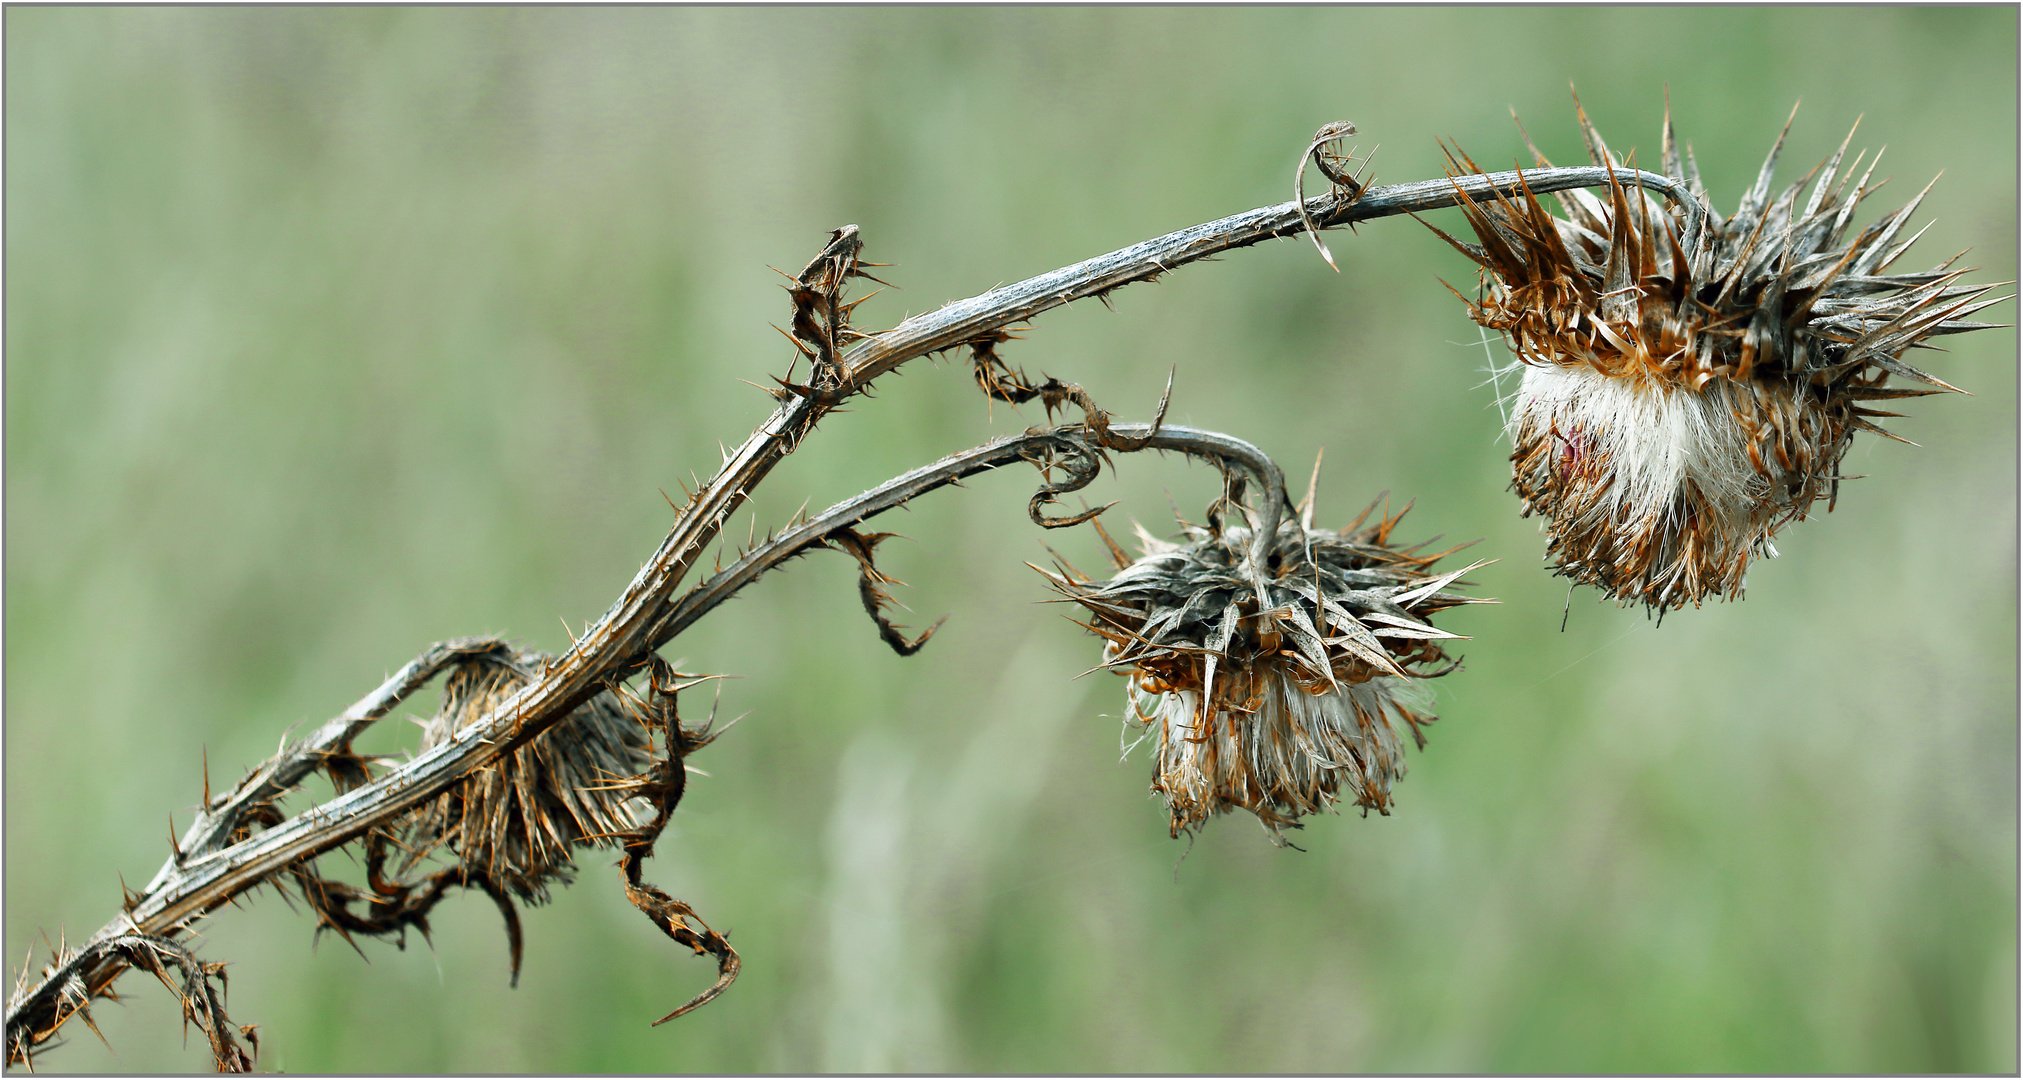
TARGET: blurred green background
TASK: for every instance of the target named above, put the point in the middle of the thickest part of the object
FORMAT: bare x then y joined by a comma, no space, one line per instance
334,332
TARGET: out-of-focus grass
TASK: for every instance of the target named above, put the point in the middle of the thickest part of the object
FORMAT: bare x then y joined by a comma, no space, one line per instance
333,332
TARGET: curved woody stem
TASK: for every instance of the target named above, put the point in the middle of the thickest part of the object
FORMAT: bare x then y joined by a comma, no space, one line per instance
814,532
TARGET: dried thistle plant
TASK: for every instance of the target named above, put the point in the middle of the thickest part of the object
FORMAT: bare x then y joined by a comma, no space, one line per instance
1274,661
1270,685
1691,384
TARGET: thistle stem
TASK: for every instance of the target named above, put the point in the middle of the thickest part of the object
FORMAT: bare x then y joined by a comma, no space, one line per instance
957,323
1210,446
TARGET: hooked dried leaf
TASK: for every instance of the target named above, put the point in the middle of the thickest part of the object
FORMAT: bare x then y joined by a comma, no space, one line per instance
1325,151
662,785
870,587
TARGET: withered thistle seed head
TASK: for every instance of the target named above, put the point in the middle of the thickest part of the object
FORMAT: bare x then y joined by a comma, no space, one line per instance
516,819
1273,711
1689,386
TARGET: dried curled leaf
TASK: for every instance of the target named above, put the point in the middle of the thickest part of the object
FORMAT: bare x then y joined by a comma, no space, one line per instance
1325,151
821,321
870,587
662,786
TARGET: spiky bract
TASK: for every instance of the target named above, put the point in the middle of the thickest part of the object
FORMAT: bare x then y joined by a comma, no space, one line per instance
1691,384
1275,710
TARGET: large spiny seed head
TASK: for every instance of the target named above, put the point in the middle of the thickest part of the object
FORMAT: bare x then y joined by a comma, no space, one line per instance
1691,384
1273,707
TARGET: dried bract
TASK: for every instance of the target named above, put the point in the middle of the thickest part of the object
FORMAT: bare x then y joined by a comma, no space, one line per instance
1273,707
1691,384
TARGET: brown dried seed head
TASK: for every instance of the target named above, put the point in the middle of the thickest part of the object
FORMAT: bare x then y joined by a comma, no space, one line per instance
516,819
1273,711
1690,387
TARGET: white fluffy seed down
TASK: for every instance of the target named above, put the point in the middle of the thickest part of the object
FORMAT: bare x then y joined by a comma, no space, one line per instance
1692,382
1285,756
1661,474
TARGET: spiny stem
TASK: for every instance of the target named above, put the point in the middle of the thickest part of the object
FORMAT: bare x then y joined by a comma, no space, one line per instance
956,323
1207,445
